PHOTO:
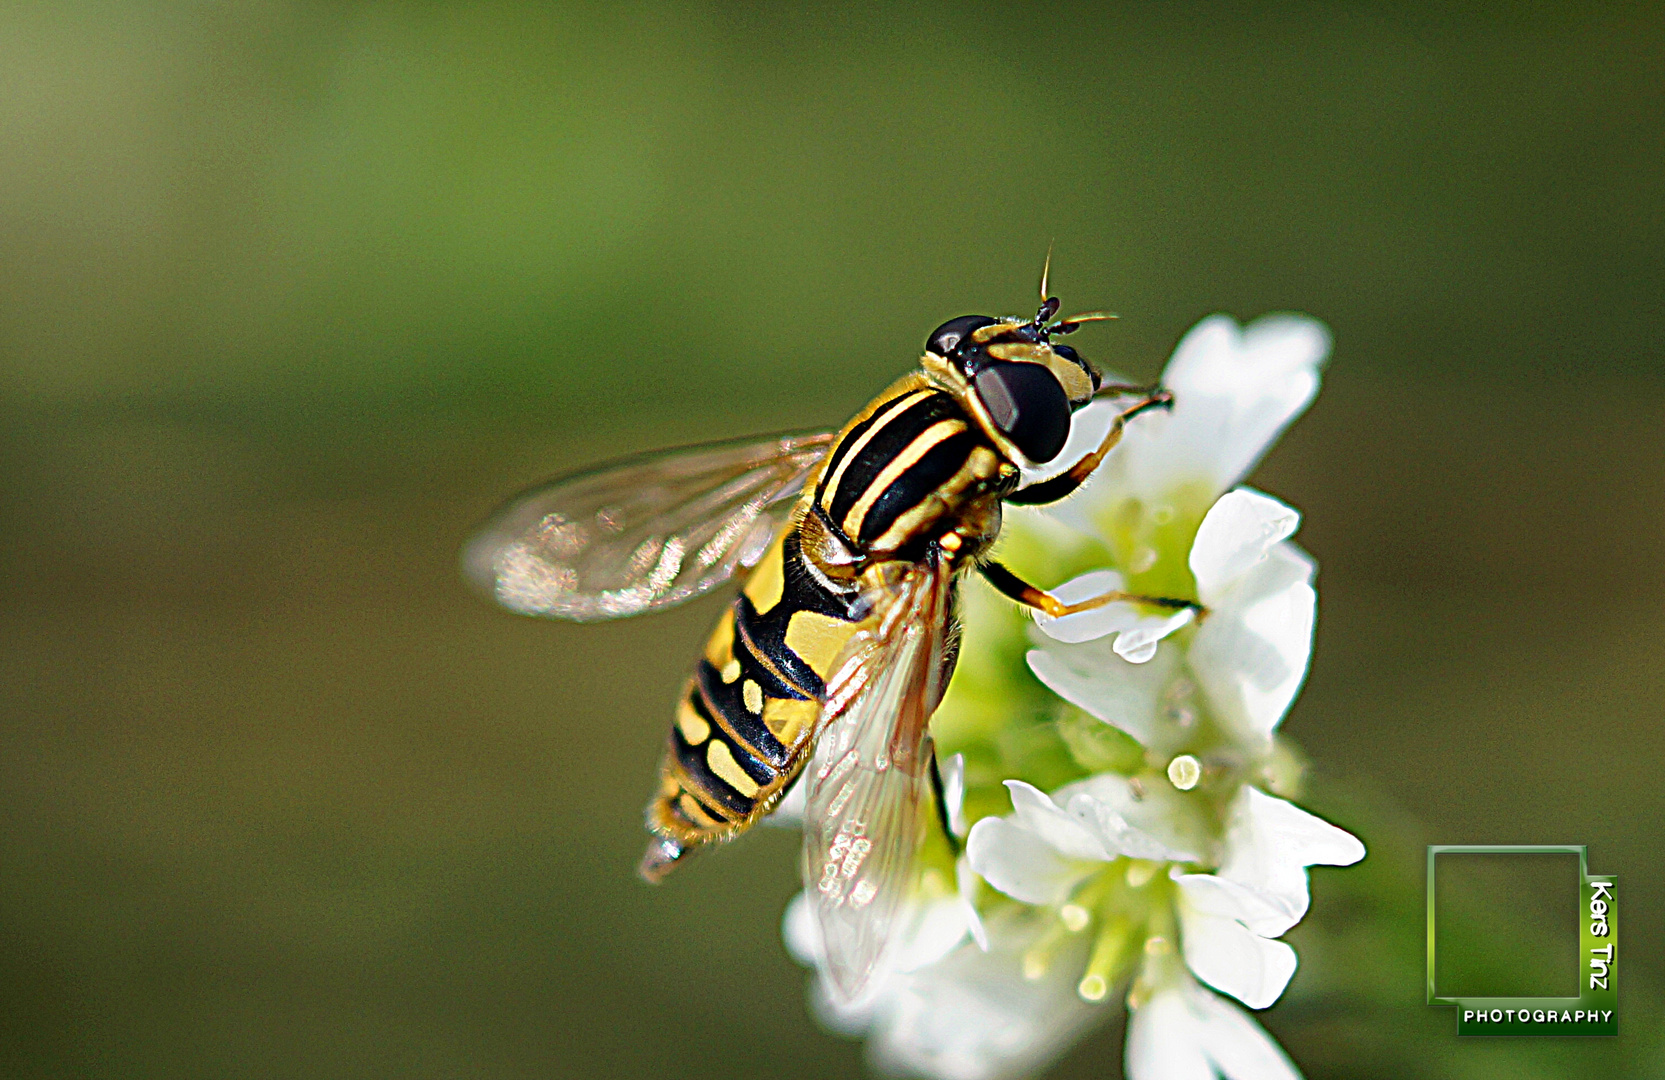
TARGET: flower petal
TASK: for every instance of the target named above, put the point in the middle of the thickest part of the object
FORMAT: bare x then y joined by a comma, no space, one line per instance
927,931
965,881
931,931
1184,1031
1162,1042
798,930
1234,391
1033,810
1123,695
1015,861
1250,654
1265,913
1270,842
1232,958
1118,835
1238,1047
1234,537
974,1016
1178,820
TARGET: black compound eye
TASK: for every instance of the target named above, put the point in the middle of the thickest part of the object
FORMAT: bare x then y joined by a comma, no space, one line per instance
1028,405
947,337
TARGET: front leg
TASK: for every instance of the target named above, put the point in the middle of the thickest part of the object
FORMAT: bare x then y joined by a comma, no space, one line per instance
1013,587
1066,482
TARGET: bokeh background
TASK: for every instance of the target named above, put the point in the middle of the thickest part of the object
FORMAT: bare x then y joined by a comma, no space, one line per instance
292,294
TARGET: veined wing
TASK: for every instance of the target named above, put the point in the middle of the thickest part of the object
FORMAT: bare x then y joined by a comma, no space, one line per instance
868,783
642,532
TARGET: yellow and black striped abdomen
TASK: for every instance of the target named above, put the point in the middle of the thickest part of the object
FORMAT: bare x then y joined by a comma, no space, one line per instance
745,719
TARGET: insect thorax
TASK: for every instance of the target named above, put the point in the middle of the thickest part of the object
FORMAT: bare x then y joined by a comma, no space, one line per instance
910,467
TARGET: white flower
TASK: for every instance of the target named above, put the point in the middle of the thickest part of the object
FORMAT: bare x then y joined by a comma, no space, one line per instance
1047,847
1043,850
928,929
1168,864
1269,844
1251,651
1239,670
968,1014
1258,893
1235,390
1183,1032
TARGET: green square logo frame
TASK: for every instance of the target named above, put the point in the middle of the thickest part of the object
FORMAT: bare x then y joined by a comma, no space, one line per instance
1595,1011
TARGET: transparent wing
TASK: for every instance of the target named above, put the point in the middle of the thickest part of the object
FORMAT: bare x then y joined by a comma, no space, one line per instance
865,809
641,532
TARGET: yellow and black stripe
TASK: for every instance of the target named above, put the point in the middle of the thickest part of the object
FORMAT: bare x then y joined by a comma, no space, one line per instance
747,717
915,452
744,723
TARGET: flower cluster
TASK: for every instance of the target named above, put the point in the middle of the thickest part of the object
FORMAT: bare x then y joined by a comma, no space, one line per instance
1147,844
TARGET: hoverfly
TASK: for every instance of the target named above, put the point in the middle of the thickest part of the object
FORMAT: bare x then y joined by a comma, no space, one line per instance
837,649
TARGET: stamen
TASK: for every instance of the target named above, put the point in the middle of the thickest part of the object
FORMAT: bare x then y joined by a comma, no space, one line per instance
1108,953
1039,956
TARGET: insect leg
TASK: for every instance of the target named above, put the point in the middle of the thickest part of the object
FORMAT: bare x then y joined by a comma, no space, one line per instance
939,793
1066,482
1015,588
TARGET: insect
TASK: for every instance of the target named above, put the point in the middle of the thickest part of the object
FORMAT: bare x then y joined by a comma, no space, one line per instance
837,649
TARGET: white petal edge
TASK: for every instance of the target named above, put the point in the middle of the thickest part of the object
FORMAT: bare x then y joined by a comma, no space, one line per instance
928,932
1236,389
1235,535
1180,1025
932,931
1174,818
1267,914
1162,1042
975,1017
798,931
1250,654
1118,835
1233,959
1016,861
1091,676
1270,842
1300,834
965,880
1035,811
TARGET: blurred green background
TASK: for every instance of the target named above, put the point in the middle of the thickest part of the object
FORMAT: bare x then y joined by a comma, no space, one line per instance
292,294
